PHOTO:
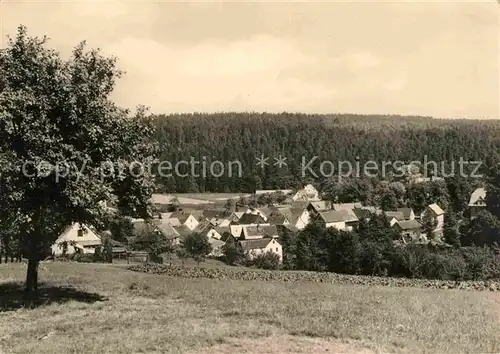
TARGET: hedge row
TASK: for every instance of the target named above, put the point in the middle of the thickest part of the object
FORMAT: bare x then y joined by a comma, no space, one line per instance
302,276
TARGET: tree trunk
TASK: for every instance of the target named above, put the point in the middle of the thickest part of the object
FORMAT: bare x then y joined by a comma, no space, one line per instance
32,277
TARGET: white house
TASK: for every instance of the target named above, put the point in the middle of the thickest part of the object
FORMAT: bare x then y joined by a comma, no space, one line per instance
308,193
77,238
339,219
297,216
180,218
477,202
255,247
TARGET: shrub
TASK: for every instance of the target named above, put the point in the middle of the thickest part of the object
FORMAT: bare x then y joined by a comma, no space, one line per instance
268,260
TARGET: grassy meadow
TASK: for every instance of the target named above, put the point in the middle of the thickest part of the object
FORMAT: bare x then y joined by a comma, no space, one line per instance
90,308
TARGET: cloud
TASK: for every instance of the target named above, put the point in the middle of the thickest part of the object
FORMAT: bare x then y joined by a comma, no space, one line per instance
438,58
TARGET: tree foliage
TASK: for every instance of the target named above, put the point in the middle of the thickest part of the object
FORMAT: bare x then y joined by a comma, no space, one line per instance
68,148
197,246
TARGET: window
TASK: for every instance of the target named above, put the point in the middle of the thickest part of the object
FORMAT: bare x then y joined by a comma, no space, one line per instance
80,232
276,249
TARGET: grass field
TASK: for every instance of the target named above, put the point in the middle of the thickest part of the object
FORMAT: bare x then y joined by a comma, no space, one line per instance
108,309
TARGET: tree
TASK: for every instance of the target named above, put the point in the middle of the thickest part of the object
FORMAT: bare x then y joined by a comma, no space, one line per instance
493,191
120,227
233,252
450,233
68,147
268,260
388,200
197,246
107,250
429,223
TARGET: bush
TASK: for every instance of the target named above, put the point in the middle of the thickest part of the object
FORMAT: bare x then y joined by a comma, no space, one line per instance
83,257
268,260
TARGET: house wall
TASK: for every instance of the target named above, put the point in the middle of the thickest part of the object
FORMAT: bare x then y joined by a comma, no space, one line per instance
273,246
412,216
440,223
236,230
214,234
337,225
191,222
71,234
303,220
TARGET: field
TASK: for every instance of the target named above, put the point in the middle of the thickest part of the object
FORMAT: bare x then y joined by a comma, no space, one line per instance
108,309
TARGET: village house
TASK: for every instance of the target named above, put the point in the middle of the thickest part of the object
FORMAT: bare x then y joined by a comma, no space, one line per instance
77,238
181,218
315,207
477,202
308,193
438,214
341,220
409,229
259,231
169,232
246,220
363,214
297,215
345,206
261,246
408,213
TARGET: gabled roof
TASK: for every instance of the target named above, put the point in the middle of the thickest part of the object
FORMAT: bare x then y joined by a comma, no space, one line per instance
406,212
291,227
226,236
436,209
321,205
183,231
409,224
338,216
362,213
247,219
223,229
262,231
168,230
346,206
260,243
398,215
478,197
292,214
252,231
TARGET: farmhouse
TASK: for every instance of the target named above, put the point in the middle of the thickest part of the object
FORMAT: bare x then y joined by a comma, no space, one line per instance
255,247
477,202
77,238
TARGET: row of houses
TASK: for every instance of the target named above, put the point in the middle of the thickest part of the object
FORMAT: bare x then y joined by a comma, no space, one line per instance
258,229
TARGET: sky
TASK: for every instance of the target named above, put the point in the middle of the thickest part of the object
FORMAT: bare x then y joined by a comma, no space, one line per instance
414,58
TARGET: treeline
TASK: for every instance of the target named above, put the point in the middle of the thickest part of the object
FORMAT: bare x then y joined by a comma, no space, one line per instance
374,250
243,137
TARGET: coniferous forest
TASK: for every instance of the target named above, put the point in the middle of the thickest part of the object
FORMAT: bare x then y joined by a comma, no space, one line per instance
300,137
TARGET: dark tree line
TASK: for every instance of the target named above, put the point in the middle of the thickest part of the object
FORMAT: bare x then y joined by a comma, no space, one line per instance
244,136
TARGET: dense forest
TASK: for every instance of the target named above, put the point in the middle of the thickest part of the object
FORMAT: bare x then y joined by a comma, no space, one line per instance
245,136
